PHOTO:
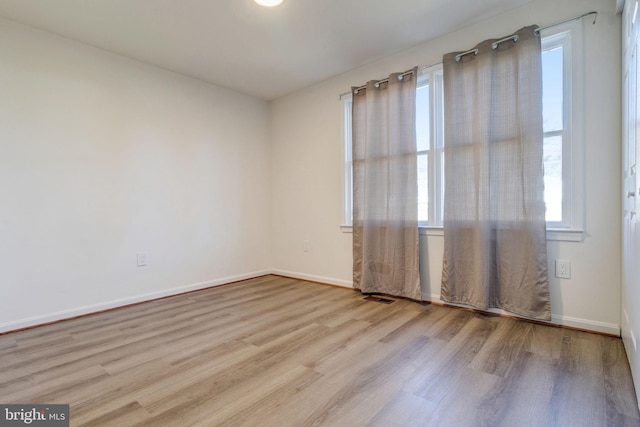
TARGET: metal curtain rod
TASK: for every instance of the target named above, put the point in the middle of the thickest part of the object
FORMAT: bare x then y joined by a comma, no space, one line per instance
584,15
379,82
536,31
494,45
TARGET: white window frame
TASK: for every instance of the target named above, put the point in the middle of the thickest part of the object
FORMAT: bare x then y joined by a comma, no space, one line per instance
347,167
569,35
572,226
433,78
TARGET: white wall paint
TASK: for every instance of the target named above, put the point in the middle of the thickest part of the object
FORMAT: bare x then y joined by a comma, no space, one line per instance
101,157
307,151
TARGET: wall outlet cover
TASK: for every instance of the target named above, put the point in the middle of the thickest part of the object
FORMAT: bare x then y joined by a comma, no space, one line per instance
563,269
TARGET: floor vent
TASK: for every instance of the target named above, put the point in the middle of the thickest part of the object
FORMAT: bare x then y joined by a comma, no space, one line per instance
378,299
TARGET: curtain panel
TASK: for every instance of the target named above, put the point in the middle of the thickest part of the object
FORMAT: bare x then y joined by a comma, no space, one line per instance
385,188
495,253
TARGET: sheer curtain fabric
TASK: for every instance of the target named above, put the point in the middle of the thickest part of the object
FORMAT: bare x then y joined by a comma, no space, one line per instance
385,188
495,253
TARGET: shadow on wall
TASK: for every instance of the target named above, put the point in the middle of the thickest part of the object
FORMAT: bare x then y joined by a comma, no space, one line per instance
425,271
553,249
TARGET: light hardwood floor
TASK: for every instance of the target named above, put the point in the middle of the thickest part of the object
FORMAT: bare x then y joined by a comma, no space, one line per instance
274,351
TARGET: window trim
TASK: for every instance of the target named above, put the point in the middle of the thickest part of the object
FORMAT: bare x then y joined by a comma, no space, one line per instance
571,229
569,36
347,166
433,78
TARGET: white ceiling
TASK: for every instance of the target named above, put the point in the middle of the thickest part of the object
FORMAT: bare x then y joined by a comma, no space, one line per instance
265,52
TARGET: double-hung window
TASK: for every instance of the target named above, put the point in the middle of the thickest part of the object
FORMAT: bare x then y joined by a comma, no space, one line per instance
429,141
562,124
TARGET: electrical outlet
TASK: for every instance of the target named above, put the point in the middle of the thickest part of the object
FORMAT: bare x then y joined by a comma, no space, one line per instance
563,269
306,246
141,258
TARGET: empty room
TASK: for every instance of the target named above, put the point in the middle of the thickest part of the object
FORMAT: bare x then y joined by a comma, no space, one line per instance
303,212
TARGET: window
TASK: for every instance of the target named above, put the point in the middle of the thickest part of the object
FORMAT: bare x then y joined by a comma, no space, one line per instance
430,137
562,139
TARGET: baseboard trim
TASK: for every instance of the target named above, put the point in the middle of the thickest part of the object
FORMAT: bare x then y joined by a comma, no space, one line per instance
556,319
31,322
58,316
586,325
312,278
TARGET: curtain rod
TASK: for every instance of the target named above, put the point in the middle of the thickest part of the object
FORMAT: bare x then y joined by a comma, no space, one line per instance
584,15
514,38
536,31
379,82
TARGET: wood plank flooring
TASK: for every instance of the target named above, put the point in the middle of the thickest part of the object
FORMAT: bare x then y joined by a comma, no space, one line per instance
274,351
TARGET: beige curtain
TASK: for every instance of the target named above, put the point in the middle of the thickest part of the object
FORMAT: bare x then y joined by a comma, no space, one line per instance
385,193
495,253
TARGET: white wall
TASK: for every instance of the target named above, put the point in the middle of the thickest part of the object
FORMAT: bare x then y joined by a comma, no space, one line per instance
305,131
102,157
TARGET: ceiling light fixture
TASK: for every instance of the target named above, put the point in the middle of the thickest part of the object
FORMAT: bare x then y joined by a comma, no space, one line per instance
268,3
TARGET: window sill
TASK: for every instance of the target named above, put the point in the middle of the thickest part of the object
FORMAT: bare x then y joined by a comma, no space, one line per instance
346,228
553,234
565,234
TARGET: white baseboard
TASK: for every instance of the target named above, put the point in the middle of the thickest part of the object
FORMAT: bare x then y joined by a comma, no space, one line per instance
588,325
312,278
93,308
556,319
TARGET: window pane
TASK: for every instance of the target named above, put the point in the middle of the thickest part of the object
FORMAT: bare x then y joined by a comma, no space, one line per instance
553,178
422,118
552,87
423,187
